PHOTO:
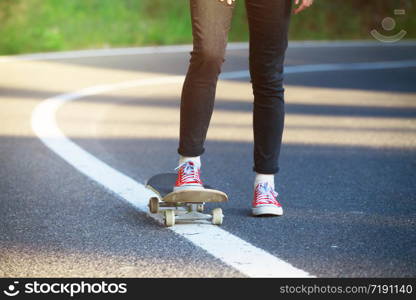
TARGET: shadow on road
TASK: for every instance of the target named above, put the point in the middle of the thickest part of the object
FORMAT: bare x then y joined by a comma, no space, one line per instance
347,208
229,104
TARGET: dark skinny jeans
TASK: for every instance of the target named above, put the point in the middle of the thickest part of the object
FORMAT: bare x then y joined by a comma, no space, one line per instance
268,28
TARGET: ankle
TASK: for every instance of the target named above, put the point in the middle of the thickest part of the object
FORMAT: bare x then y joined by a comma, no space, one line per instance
262,178
195,159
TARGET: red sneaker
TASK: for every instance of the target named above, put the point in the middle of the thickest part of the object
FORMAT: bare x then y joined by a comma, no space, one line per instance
188,177
265,201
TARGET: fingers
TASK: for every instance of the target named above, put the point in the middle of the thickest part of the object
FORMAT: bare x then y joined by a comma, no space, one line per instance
299,8
305,4
229,2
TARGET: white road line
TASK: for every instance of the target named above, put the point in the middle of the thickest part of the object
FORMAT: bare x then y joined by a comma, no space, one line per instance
186,48
381,65
233,251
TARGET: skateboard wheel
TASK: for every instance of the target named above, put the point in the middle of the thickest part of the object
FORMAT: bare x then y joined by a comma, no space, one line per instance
200,208
154,205
217,216
169,218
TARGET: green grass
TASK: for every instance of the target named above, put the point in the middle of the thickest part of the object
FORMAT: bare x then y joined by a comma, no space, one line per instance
53,25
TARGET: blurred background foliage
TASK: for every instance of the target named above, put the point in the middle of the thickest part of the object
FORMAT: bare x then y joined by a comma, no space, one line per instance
53,25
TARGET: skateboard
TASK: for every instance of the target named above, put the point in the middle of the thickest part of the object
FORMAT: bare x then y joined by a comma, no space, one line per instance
184,205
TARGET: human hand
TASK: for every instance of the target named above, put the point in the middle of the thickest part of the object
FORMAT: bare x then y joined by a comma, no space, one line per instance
305,4
229,2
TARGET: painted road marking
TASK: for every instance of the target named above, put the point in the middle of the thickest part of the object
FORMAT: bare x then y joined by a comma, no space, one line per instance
383,65
187,48
233,251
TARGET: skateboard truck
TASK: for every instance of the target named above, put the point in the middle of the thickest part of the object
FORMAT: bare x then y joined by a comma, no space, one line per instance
183,212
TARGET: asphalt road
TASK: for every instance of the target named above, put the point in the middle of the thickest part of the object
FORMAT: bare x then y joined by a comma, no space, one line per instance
347,179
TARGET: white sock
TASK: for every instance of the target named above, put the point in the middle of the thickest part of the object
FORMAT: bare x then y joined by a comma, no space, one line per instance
269,178
195,159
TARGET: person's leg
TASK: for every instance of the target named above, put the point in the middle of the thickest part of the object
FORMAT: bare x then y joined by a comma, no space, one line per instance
211,21
268,25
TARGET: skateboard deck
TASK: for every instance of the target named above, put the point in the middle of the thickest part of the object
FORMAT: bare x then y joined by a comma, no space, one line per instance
192,200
